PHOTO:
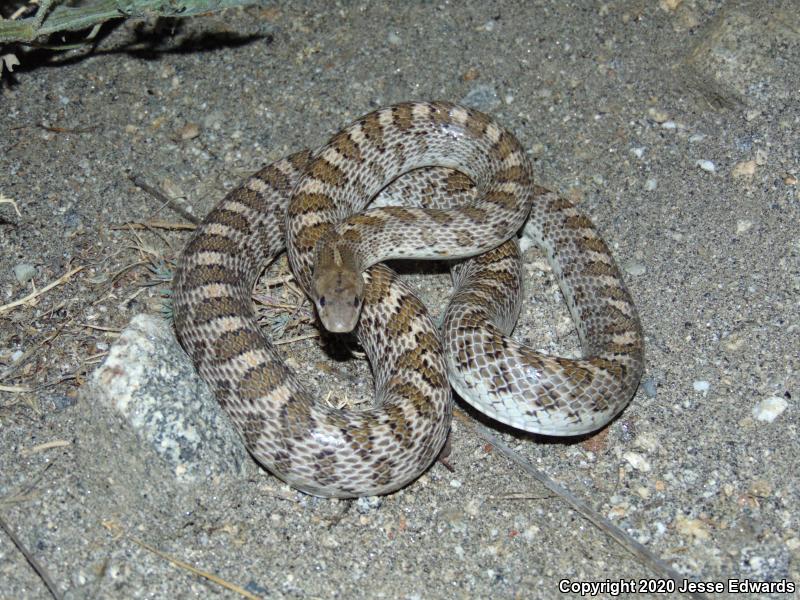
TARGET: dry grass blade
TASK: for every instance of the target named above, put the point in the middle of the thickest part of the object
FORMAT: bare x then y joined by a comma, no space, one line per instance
40,570
168,225
45,446
114,330
21,496
33,295
115,527
21,360
299,338
15,389
139,182
6,200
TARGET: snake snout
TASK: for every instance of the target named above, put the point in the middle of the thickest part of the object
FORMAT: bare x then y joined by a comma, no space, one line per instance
338,316
338,295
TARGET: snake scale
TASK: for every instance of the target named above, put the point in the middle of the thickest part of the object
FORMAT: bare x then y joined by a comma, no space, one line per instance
469,191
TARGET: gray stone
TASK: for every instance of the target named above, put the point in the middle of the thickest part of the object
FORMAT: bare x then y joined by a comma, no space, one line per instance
749,53
150,381
24,272
482,97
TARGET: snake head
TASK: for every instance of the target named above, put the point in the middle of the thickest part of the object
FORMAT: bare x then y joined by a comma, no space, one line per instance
337,286
338,294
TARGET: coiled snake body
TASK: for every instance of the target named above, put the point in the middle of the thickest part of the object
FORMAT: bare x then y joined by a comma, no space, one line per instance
311,204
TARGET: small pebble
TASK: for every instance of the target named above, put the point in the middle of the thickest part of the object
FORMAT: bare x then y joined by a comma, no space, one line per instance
650,185
697,137
189,131
24,272
258,590
649,387
701,386
658,115
634,268
473,507
744,169
482,97
394,39
669,125
214,119
706,165
531,533
760,488
752,114
171,188
536,150
676,235
637,461
694,528
743,226
638,152
62,401
734,343
647,442
368,504
72,220
770,409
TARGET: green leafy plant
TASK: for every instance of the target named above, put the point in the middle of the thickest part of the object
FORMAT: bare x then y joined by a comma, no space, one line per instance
55,16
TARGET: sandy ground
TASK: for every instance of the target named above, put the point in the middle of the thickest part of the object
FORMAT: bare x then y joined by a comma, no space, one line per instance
673,124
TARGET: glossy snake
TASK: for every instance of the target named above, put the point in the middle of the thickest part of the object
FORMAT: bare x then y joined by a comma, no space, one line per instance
312,203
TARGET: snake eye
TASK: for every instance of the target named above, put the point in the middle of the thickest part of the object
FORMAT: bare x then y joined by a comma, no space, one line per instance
322,301
356,302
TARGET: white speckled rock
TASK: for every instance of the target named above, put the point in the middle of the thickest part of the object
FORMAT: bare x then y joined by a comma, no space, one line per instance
149,380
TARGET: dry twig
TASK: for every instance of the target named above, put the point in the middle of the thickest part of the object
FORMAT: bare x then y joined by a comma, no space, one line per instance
117,529
158,194
16,498
33,295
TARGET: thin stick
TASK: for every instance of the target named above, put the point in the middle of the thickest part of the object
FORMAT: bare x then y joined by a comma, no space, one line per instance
66,130
184,565
61,280
45,446
298,338
25,492
139,182
15,389
116,330
40,570
21,360
6,200
155,225
635,548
